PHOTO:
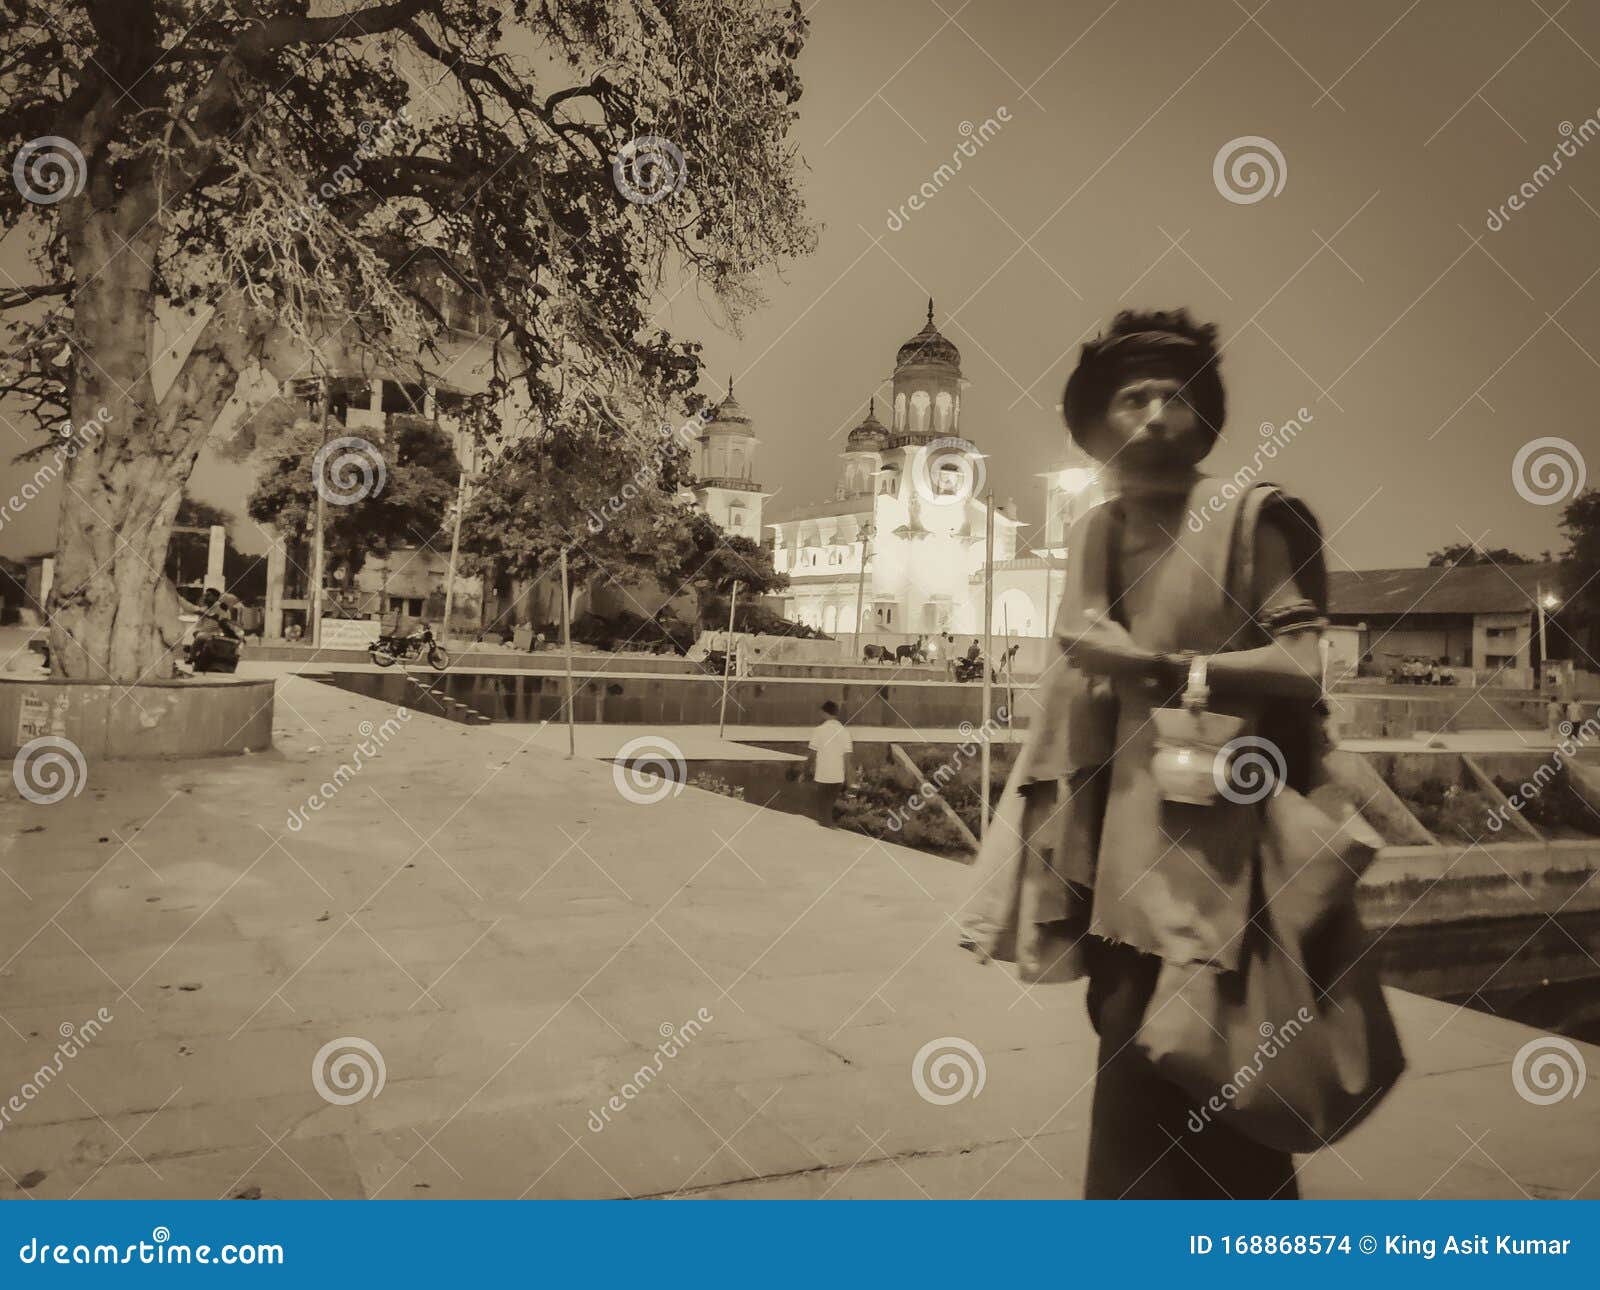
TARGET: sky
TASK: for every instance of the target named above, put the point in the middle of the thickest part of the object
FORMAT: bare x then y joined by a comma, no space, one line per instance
1366,287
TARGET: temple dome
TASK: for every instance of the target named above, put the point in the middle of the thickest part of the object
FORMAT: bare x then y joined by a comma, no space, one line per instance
871,433
928,346
728,412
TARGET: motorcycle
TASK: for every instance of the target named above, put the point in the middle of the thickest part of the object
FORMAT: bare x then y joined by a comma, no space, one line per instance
969,669
389,650
218,652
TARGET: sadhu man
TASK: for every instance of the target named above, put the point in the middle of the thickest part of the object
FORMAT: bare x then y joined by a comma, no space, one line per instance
1174,565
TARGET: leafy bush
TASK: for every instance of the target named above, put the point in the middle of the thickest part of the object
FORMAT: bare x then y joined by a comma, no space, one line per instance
961,789
629,630
716,784
1449,811
880,798
1556,808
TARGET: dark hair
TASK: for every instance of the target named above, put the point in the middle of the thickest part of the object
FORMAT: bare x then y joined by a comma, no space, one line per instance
830,707
1166,338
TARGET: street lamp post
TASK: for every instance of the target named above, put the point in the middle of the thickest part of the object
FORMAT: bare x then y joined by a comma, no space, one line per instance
867,533
1546,600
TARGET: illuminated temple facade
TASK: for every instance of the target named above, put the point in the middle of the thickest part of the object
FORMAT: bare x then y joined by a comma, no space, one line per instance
909,504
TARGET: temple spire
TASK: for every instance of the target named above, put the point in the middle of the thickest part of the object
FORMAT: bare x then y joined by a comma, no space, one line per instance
730,386
930,311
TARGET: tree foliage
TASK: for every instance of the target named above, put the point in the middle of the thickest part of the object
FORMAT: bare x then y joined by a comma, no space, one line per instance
267,186
1467,553
709,562
1580,573
419,478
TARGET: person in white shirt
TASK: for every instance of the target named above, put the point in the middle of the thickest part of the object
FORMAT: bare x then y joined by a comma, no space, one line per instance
829,762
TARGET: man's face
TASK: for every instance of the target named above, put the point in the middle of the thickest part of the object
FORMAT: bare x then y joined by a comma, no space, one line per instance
1150,428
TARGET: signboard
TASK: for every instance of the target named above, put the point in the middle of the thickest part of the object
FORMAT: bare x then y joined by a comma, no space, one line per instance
349,633
33,718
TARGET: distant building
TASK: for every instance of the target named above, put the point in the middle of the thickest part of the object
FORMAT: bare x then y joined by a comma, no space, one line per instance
725,461
906,507
1482,616
1027,587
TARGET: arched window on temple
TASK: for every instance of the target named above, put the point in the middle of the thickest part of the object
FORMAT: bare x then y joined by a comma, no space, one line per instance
919,412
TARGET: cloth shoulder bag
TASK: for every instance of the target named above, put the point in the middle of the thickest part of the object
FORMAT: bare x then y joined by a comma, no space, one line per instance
1297,1046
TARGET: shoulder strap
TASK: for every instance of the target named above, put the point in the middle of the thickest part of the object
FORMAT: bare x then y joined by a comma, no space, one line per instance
1086,586
1299,528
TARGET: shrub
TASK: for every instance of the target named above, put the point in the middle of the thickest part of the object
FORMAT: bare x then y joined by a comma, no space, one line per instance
716,784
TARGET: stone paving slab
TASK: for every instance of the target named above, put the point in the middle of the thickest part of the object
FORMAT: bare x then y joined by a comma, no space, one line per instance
519,942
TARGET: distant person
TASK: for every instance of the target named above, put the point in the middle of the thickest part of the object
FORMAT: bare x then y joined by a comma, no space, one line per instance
974,651
1574,715
829,762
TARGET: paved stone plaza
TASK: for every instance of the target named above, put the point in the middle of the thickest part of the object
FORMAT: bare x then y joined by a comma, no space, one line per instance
513,936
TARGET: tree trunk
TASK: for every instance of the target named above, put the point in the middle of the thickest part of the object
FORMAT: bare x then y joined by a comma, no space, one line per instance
113,613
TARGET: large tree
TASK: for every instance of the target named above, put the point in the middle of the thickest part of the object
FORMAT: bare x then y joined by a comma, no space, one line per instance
240,192
1579,617
710,562
389,490
617,516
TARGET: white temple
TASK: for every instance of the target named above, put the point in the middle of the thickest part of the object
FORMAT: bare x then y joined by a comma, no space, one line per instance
908,505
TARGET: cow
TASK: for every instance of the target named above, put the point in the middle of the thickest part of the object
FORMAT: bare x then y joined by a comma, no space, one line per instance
911,653
876,654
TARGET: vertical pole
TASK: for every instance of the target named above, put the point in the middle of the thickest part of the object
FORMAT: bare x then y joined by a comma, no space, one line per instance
566,647
1049,615
317,556
216,557
988,662
861,591
727,662
455,551
1539,671
1005,630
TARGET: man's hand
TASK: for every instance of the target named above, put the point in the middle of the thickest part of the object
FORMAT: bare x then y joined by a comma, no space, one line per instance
1103,647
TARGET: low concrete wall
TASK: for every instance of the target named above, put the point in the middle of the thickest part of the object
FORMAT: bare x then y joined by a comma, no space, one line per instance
198,717
1411,886
1399,715
695,700
486,658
